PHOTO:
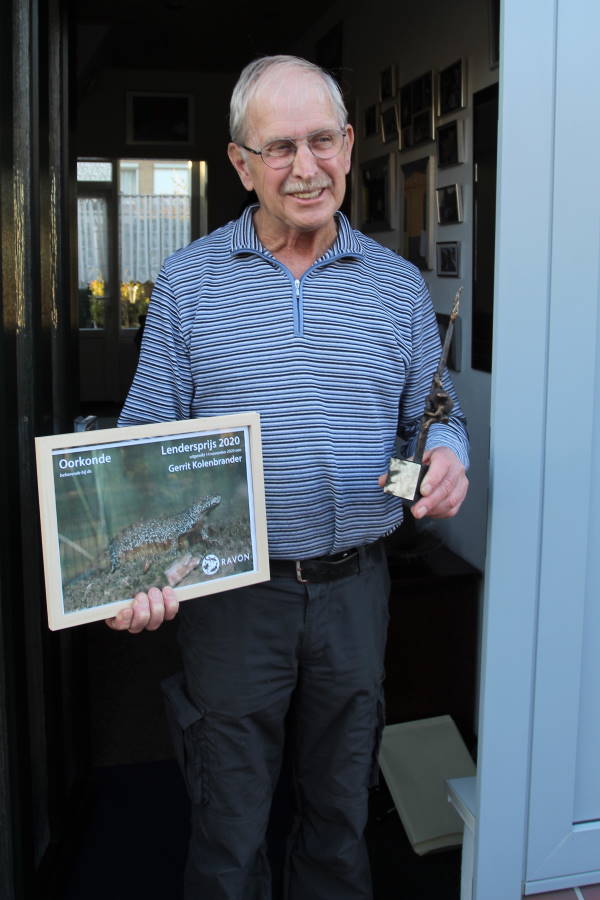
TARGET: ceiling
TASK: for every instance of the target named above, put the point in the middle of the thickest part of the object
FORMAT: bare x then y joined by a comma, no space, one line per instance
186,34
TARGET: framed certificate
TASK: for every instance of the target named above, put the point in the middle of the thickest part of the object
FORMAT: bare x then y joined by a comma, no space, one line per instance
174,503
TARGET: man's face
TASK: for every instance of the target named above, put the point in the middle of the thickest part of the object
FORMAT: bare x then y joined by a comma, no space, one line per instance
291,103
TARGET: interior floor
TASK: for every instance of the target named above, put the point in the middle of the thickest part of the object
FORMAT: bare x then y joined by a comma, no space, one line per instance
133,838
134,841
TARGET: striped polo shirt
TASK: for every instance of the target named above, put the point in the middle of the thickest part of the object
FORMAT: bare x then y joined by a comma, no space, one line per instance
336,363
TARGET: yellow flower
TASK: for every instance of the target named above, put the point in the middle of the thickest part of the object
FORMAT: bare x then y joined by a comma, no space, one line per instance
96,287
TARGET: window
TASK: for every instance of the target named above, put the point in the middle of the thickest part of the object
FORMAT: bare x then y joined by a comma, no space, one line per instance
94,170
92,260
172,178
150,203
128,177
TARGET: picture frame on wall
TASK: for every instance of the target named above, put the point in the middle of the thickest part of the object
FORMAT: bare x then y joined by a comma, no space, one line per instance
178,503
449,139
417,111
452,88
159,118
387,82
389,124
375,199
417,228
448,259
449,204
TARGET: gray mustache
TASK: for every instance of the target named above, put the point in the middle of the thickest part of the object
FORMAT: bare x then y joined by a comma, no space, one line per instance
305,187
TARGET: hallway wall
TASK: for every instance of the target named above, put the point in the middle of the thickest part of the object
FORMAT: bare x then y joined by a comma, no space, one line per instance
416,38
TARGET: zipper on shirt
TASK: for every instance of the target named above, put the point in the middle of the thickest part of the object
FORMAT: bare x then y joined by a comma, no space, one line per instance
298,323
298,312
298,293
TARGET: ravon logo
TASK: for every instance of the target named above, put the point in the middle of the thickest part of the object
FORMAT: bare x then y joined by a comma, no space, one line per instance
210,564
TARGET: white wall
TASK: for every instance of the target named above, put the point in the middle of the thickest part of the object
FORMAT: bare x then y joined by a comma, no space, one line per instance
417,37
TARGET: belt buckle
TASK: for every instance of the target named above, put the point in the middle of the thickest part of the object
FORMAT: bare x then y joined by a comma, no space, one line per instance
299,572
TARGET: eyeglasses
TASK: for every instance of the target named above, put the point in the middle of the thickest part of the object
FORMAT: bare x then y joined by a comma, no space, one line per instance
281,153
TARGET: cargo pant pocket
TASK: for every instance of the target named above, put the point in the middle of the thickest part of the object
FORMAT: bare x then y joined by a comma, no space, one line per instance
187,726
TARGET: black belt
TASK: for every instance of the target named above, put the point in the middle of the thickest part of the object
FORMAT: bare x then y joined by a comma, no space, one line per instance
317,569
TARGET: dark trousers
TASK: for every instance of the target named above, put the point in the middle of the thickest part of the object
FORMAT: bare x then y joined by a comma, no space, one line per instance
251,656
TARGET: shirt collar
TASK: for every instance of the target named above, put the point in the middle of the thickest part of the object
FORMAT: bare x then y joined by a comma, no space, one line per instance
245,239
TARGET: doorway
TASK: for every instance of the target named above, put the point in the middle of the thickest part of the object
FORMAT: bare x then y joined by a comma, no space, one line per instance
111,333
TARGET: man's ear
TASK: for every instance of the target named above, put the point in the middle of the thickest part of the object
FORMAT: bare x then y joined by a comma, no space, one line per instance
239,163
349,145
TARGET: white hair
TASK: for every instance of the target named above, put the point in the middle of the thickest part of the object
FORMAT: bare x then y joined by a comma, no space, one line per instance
249,80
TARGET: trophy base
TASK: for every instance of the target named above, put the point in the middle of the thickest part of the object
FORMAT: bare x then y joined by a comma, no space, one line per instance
404,478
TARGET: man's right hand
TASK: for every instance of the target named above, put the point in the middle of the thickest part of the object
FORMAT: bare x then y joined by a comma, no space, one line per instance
147,612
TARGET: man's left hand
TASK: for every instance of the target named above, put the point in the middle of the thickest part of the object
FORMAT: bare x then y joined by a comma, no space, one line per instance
444,487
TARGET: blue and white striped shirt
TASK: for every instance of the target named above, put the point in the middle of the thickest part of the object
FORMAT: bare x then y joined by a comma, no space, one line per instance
333,362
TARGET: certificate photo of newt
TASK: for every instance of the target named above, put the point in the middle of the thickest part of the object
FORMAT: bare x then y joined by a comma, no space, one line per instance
173,510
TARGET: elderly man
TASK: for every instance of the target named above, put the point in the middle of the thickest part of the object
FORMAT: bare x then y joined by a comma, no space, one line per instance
332,338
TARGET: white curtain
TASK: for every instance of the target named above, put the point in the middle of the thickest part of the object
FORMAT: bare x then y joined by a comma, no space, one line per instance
151,228
92,240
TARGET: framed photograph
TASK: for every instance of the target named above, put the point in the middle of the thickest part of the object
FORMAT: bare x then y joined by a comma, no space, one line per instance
389,124
179,503
375,184
448,259
449,204
452,89
422,127
450,144
387,83
417,111
371,121
417,237
159,118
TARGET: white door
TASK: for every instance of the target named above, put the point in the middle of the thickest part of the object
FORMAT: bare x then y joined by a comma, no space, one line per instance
538,816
